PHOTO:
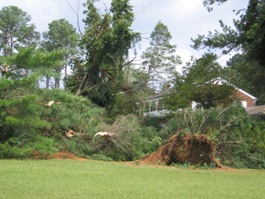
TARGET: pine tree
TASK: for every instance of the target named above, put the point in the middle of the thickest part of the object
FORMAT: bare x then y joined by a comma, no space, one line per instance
160,61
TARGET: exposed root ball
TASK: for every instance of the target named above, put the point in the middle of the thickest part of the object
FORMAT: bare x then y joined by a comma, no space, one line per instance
193,149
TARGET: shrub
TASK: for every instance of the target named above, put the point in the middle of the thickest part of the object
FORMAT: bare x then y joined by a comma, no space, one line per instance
25,114
23,147
20,114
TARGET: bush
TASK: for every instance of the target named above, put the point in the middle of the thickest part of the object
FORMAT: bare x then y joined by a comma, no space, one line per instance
22,147
20,112
25,115
249,151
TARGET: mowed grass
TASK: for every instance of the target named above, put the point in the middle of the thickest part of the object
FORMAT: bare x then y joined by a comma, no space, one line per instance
94,179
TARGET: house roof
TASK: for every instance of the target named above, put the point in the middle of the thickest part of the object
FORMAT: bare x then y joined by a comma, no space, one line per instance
221,81
218,81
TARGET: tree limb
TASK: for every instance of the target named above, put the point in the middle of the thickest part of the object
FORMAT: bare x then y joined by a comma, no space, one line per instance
77,14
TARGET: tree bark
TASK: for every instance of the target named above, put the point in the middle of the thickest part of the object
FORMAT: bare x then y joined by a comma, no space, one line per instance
47,82
79,90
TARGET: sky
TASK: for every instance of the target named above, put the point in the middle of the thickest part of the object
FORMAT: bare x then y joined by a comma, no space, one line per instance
185,19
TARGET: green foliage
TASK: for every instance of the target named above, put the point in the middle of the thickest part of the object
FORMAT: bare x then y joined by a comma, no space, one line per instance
243,155
248,75
107,41
202,70
125,104
249,151
150,140
15,30
247,36
213,122
121,143
61,36
159,60
252,32
19,111
10,149
211,95
127,139
25,114
38,121
239,138
29,124
19,42
199,83
24,146
30,60
152,122
70,112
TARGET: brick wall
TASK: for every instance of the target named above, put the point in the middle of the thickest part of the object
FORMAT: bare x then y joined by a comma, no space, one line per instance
243,97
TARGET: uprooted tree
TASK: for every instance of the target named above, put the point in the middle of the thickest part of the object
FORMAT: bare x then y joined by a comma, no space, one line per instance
192,149
199,136
118,137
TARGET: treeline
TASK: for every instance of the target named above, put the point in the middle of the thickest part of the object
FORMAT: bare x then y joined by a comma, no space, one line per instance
105,93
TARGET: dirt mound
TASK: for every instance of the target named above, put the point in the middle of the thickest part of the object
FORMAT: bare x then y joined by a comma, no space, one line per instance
193,149
57,155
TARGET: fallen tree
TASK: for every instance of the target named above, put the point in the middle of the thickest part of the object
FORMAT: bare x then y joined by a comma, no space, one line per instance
192,149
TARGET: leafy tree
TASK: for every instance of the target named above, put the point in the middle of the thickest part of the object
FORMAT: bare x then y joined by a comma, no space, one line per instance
16,33
159,59
200,75
134,98
107,41
202,70
15,30
30,60
19,112
61,36
246,74
247,37
197,84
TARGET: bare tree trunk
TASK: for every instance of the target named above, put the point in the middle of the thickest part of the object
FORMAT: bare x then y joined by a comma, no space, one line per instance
47,82
57,83
65,71
57,79
79,90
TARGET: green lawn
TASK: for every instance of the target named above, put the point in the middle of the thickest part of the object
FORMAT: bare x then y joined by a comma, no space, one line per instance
93,179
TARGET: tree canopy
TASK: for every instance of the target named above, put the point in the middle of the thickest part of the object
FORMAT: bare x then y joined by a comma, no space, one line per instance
107,40
15,30
60,36
197,84
247,34
159,60
247,39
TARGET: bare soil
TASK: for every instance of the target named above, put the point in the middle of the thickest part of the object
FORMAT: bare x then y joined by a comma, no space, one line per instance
57,155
